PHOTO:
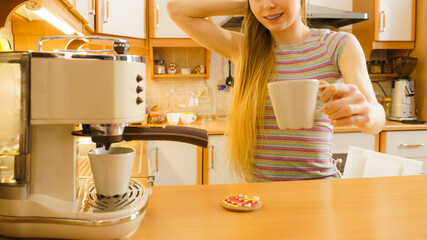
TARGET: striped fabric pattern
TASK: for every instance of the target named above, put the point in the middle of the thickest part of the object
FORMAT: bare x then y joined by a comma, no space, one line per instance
284,155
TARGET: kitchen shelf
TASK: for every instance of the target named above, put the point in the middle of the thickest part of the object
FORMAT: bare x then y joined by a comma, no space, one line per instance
383,75
181,75
180,61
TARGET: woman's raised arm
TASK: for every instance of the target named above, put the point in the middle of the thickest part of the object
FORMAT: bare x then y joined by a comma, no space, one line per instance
190,16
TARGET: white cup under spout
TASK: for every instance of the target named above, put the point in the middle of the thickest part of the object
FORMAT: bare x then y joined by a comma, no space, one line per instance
111,169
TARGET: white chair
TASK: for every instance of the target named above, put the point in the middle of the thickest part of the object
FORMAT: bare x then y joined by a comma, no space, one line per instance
366,163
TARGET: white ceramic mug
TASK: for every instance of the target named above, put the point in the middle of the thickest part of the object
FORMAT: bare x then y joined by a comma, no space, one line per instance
111,169
173,118
188,118
294,102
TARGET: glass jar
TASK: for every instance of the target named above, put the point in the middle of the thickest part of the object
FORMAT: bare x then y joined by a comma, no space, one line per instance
221,102
206,106
159,67
387,67
376,67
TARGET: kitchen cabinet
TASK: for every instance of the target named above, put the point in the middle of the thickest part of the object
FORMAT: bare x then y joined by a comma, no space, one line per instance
407,144
123,19
69,3
395,20
162,30
183,58
341,141
165,37
163,26
217,169
391,24
86,10
174,163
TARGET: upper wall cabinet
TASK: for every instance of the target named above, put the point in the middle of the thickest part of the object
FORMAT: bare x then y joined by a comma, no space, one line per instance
163,31
86,9
395,20
122,18
69,3
391,24
163,26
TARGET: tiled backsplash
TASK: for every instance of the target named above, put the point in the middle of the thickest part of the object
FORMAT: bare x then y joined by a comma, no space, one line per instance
159,90
385,84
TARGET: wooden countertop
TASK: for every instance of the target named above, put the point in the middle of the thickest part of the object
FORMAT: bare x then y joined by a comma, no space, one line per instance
218,126
364,208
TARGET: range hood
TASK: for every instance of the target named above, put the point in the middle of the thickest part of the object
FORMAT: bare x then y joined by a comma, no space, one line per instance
317,17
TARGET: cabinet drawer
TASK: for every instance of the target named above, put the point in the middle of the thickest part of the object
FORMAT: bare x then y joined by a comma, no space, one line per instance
341,141
408,144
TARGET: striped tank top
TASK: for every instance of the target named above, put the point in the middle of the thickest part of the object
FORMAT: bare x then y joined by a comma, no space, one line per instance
284,155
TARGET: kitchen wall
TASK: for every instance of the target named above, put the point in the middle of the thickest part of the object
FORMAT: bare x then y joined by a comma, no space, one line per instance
159,90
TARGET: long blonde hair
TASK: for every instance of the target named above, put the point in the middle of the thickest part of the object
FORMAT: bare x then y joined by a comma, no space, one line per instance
255,66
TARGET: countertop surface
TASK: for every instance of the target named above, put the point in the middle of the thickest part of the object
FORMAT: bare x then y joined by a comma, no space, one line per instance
219,126
363,208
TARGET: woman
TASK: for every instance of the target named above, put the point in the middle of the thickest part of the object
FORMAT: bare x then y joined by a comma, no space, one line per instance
277,45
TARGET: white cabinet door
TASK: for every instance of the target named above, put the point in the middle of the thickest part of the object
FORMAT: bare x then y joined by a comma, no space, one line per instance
86,8
173,163
164,27
408,144
341,141
69,3
395,20
219,171
123,18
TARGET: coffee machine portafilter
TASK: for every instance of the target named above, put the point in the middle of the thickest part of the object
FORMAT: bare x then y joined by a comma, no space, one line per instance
50,93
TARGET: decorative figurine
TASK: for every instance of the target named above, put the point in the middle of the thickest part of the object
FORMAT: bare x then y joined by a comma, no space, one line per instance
172,68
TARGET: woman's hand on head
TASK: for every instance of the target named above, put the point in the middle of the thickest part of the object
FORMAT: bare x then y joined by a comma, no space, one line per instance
349,106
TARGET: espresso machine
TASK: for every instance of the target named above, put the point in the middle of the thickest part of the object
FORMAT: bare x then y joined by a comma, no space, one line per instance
44,96
402,90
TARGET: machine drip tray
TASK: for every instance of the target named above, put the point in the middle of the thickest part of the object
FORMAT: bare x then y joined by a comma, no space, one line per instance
90,201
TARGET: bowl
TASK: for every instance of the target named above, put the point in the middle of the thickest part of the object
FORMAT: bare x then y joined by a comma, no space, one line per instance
404,66
185,71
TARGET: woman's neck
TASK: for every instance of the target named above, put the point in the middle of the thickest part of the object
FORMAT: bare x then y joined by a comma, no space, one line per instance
294,34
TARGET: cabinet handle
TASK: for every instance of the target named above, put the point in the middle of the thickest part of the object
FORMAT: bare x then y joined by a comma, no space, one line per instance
106,11
157,24
92,9
412,145
382,21
212,157
157,159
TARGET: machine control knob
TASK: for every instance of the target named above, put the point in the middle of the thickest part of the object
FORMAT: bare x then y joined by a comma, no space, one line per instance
139,89
139,100
139,78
